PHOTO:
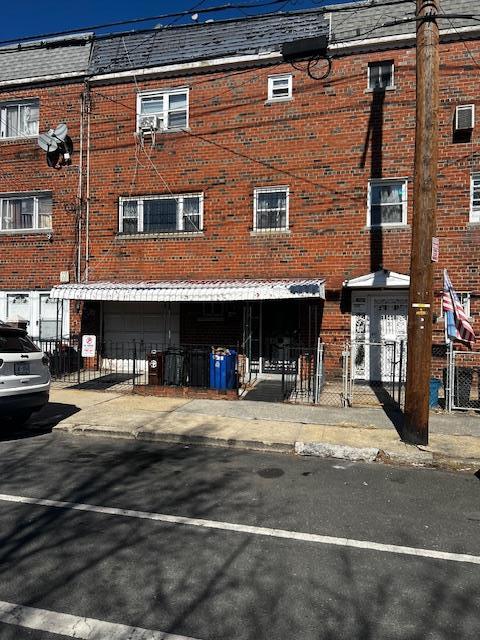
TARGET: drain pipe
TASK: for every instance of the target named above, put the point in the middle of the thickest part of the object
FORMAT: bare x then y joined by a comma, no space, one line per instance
87,191
80,191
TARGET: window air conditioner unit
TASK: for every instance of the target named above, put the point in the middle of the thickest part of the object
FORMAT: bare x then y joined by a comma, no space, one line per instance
465,117
149,123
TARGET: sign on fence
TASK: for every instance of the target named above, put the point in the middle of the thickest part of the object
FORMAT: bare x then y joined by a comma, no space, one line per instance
89,346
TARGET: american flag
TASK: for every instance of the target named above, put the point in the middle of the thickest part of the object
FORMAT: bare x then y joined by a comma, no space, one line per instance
457,326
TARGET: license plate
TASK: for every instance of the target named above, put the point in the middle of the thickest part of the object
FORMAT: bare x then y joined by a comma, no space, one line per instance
22,368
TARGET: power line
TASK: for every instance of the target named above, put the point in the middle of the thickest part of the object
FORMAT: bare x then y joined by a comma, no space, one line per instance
180,14
118,23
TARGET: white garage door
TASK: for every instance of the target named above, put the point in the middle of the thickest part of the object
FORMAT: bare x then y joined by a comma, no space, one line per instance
150,322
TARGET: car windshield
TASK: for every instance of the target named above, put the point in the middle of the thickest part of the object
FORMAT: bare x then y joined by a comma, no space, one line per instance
16,343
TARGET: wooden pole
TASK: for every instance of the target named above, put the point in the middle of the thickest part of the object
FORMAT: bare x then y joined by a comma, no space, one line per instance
423,229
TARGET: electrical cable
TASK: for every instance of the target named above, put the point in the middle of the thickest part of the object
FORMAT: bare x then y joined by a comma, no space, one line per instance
226,7
179,14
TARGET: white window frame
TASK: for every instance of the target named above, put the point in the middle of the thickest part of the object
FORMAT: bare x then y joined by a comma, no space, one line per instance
180,198
474,210
381,62
26,196
259,190
164,94
3,118
271,87
387,181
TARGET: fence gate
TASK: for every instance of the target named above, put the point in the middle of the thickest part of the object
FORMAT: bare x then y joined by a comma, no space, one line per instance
302,374
374,373
462,380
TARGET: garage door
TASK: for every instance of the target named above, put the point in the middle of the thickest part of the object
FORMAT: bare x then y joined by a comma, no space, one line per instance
150,322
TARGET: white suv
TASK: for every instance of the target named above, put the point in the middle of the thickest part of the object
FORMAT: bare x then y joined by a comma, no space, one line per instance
24,375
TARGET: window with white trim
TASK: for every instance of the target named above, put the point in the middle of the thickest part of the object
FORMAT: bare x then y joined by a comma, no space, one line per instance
270,209
280,87
161,214
381,75
475,198
387,203
25,212
169,109
19,119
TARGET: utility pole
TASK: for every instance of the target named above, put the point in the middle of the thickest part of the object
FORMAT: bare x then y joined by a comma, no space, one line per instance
423,229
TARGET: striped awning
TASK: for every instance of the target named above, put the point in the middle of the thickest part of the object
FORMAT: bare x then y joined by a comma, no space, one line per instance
192,290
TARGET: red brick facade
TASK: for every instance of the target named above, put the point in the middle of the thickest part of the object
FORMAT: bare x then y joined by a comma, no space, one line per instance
34,260
325,145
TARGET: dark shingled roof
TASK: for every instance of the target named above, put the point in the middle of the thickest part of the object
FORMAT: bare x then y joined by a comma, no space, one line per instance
364,20
205,40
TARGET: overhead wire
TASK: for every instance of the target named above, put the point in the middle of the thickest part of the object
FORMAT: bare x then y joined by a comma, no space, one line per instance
33,39
179,14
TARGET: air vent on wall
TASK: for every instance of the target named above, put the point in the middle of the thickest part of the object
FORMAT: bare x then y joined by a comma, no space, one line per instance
465,117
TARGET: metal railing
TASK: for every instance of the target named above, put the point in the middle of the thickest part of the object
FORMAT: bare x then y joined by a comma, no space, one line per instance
132,363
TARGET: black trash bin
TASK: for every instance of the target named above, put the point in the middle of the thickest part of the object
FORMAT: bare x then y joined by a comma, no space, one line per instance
462,387
198,368
173,367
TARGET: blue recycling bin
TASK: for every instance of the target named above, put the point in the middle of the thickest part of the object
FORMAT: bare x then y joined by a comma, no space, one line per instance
434,389
222,369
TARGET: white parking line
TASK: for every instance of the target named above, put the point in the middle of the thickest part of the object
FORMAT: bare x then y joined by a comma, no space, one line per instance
75,626
243,528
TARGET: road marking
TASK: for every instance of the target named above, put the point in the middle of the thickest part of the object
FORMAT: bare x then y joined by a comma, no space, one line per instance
243,528
71,626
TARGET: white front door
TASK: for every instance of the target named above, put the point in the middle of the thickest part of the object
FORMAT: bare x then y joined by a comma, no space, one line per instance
379,333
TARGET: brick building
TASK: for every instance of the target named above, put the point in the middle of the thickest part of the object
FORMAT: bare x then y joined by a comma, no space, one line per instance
40,87
233,197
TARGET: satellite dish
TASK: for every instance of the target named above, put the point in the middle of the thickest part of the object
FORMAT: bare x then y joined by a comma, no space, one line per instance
47,142
58,145
61,131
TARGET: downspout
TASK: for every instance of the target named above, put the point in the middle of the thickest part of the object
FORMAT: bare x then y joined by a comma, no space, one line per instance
87,189
80,191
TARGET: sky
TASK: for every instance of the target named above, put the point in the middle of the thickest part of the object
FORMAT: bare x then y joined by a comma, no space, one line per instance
38,17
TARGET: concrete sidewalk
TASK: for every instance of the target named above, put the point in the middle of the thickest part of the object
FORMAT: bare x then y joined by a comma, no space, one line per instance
354,434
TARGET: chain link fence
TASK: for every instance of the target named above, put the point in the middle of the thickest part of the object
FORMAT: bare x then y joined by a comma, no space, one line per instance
461,380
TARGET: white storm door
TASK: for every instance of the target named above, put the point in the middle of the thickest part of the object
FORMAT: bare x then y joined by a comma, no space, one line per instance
388,328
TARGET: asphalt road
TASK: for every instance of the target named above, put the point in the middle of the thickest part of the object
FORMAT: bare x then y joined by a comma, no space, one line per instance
215,581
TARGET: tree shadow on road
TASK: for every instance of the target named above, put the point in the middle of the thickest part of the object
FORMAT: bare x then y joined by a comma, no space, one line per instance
201,582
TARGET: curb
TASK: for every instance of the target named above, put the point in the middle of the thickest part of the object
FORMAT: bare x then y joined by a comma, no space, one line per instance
174,438
344,452
411,457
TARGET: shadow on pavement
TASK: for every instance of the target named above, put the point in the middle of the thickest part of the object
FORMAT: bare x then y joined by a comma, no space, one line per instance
38,424
202,582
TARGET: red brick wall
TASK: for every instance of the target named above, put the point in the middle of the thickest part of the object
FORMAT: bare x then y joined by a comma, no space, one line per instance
319,144
33,260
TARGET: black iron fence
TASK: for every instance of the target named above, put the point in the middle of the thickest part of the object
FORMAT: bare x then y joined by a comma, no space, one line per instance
135,363
301,370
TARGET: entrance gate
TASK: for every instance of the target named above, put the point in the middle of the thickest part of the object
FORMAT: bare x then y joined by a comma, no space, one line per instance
388,359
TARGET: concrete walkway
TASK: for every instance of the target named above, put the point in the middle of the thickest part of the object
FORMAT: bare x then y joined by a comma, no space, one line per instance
354,434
